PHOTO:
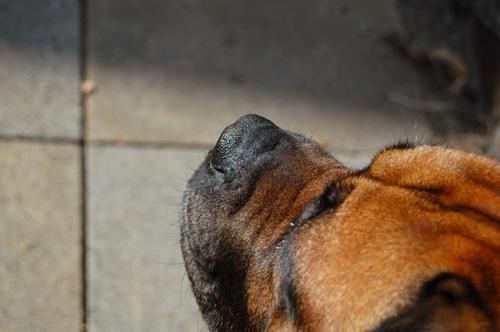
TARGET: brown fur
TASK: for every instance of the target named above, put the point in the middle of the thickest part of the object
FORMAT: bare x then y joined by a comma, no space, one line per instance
412,214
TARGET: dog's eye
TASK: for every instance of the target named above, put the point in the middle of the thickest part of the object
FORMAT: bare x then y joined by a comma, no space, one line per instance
331,198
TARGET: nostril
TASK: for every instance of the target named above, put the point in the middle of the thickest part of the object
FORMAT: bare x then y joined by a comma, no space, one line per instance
217,166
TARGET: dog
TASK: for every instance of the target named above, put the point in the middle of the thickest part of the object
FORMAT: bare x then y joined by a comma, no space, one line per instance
277,235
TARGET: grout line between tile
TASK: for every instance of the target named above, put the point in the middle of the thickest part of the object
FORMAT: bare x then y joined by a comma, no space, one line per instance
40,139
149,145
83,27
103,143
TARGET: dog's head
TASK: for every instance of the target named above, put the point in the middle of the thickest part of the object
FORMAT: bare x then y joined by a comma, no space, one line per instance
277,235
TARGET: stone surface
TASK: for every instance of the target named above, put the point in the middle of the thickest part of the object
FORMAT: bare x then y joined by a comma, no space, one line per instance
180,71
39,68
40,238
135,274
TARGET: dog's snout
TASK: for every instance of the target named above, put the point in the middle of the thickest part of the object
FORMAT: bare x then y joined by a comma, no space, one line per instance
245,139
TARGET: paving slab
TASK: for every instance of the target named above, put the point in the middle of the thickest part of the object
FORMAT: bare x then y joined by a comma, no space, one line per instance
40,238
136,278
180,71
39,67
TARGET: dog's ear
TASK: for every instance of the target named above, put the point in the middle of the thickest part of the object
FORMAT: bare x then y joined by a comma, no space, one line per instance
447,302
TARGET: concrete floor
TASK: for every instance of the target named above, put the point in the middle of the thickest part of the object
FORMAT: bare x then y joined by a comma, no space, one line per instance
89,195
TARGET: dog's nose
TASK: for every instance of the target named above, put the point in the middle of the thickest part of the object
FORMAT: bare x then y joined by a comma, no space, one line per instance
248,137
